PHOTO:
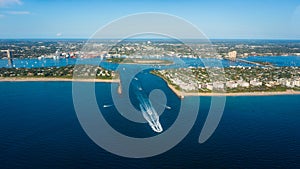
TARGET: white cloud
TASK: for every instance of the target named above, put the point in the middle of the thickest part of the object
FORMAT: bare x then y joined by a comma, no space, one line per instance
4,3
59,34
18,12
295,23
296,16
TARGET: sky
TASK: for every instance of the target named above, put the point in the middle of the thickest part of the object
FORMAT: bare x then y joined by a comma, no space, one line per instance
217,19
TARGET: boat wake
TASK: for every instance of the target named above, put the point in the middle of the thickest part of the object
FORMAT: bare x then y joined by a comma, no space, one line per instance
107,105
167,107
149,113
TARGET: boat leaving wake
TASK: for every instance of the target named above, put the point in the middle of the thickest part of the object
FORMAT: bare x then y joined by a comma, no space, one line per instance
107,105
149,113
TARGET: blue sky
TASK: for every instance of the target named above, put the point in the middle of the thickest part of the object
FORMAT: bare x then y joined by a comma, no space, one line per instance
255,19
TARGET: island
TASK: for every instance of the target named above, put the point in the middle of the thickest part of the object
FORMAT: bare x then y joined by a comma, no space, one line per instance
139,61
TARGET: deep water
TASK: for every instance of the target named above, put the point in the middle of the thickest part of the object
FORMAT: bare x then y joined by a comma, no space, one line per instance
39,129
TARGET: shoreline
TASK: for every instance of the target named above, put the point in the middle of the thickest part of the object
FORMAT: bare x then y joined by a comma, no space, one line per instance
181,94
159,64
50,79
139,61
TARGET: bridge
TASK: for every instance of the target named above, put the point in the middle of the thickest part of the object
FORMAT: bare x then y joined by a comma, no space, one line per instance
249,62
9,56
254,63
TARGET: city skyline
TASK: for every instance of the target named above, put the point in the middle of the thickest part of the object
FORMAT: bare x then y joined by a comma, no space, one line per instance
230,19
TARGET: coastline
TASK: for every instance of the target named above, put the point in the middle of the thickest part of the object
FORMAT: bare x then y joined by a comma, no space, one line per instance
181,94
42,79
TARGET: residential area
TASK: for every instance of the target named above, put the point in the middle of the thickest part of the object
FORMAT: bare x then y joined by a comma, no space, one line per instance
86,71
233,79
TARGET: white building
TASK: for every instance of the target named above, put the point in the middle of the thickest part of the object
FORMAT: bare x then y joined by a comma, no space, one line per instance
218,85
243,83
209,86
232,55
281,81
231,84
297,83
255,83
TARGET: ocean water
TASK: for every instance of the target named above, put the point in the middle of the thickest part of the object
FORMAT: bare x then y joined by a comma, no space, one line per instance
39,129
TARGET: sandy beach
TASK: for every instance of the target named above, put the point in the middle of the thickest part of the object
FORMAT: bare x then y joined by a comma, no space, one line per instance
182,94
29,79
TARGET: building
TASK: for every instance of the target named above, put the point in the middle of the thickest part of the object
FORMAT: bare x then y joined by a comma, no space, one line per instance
255,83
218,85
297,83
231,84
243,83
232,55
209,86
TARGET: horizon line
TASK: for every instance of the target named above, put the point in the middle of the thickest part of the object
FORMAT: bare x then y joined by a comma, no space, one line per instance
49,38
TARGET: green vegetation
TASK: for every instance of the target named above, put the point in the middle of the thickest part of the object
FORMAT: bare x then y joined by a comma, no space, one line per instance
233,79
115,60
84,71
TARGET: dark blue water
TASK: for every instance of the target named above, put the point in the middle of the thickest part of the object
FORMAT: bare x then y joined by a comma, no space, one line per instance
39,129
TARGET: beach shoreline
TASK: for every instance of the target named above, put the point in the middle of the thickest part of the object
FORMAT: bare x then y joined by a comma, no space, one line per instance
42,79
182,94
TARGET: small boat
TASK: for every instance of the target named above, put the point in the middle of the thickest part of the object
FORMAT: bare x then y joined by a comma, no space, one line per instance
107,105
